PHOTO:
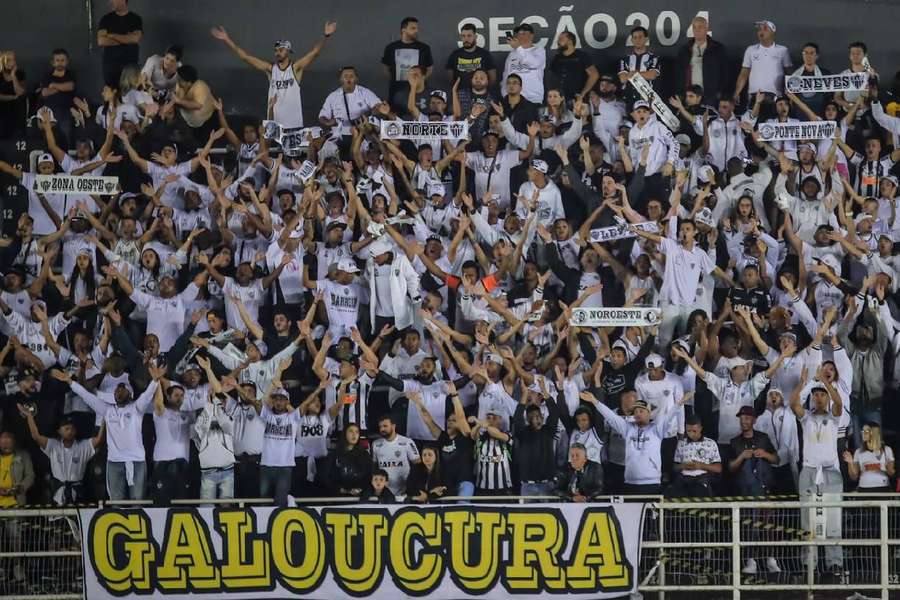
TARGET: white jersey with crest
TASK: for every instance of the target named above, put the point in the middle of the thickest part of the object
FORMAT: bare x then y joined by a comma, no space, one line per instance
284,87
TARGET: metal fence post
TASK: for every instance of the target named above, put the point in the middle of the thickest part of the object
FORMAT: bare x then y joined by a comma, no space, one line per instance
662,532
736,551
884,560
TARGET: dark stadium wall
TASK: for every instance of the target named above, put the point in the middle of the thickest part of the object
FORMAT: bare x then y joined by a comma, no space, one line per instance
33,27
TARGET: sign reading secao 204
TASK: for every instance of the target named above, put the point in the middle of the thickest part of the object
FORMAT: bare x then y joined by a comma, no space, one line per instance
596,30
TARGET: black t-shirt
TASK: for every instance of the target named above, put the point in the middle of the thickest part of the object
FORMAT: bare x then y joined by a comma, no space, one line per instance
463,63
457,458
60,102
124,54
399,57
570,71
12,113
756,300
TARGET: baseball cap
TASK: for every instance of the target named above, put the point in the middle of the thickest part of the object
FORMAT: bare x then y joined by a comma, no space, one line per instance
818,385
524,27
45,157
768,24
832,261
379,247
706,174
15,270
891,178
737,361
279,392
640,104
440,94
192,366
683,139
790,335
335,224
705,217
654,361
775,391
746,410
261,346
887,235
540,166
862,217
641,404
494,358
347,265
286,44
66,419
608,78
436,188
807,146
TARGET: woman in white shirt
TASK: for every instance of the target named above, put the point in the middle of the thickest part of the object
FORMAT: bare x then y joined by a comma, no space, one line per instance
873,463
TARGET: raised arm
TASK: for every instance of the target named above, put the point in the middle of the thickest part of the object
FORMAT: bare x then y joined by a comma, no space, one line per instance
257,63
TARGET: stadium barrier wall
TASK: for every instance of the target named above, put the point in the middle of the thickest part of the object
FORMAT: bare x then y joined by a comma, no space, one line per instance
518,549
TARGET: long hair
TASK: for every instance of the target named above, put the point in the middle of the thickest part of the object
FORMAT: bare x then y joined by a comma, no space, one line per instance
434,475
89,279
875,443
130,79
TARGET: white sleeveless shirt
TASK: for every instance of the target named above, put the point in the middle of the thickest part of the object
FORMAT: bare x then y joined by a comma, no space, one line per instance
288,109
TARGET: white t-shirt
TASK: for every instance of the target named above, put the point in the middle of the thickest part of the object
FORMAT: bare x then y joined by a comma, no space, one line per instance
395,456
820,441
312,435
872,467
251,295
529,64
290,282
278,439
173,434
496,168
549,206
165,316
683,270
68,464
43,224
341,305
434,398
767,66
360,102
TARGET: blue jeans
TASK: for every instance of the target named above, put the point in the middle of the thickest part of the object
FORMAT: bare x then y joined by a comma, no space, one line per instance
217,484
275,482
117,483
859,419
540,488
465,489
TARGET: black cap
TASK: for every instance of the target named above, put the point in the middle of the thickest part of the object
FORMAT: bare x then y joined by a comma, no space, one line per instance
746,410
66,419
608,78
524,27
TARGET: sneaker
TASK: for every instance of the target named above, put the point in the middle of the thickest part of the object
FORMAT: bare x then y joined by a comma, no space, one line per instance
749,567
772,565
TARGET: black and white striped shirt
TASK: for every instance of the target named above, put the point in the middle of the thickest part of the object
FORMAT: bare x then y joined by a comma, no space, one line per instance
639,62
493,459
355,401
869,174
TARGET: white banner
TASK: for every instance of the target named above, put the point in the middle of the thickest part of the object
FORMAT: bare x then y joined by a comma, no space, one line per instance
785,132
663,112
797,84
293,140
411,130
615,317
63,183
306,171
444,552
619,232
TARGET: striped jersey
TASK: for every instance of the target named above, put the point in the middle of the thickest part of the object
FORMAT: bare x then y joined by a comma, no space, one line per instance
493,460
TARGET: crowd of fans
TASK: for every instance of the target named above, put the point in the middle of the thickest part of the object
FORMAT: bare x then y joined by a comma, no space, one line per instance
395,325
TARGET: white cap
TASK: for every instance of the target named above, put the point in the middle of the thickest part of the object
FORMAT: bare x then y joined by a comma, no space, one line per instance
378,247
540,166
45,157
833,262
863,217
706,174
768,24
654,361
705,217
737,361
436,188
491,357
347,265
683,139
640,104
